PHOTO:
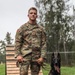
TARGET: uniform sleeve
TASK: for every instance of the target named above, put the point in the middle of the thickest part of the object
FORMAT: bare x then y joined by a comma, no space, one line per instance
43,46
18,42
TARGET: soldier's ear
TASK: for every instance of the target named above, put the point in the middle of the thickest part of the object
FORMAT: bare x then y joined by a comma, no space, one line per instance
37,16
28,15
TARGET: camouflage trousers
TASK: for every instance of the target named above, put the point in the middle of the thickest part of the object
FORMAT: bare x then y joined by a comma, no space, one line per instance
34,67
29,63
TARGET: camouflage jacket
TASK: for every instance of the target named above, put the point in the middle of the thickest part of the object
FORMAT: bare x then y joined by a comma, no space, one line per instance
30,36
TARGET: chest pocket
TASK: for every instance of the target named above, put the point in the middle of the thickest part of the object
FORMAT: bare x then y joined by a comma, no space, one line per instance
36,33
36,38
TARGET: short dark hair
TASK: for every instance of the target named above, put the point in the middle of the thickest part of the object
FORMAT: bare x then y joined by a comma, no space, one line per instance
32,8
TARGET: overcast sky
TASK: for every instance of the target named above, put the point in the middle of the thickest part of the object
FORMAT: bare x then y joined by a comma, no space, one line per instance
13,13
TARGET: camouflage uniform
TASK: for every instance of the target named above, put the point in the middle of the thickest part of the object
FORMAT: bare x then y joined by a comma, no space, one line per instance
30,42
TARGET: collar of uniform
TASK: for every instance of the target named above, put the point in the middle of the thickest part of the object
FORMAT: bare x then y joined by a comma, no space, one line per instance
31,24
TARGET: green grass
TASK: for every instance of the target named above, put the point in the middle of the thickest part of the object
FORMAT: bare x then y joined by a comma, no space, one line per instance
64,70
67,70
2,69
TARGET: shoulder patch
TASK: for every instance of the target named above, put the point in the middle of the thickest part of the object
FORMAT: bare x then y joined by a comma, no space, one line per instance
18,30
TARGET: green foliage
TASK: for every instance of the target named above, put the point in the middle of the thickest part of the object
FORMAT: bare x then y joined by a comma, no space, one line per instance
3,46
58,24
2,51
8,38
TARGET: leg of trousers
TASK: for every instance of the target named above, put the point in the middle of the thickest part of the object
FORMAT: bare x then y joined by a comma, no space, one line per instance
24,68
35,68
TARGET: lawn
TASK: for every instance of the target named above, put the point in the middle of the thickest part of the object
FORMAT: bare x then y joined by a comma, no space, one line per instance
67,70
2,69
64,70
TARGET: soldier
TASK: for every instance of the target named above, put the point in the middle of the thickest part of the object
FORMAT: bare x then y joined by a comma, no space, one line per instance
30,44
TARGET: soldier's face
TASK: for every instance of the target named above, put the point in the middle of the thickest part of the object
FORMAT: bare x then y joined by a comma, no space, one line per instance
32,14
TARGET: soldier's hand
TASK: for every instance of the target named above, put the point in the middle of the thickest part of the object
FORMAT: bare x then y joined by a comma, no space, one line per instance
19,58
40,60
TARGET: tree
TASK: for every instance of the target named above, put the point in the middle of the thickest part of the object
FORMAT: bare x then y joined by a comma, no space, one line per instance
3,46
57,22
8,38
2,51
